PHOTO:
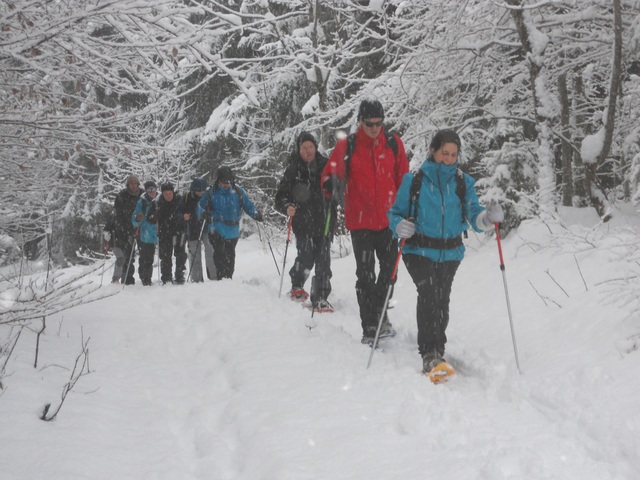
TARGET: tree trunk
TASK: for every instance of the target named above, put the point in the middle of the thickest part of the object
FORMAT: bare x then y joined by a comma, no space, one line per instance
546,158
566,150
579,177
597,199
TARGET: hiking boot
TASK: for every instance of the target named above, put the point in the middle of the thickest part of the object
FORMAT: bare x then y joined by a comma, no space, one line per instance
368,336
116,281
298,294
323,306
387,330
430,361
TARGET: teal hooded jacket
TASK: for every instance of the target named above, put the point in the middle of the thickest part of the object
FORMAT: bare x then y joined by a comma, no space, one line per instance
439,212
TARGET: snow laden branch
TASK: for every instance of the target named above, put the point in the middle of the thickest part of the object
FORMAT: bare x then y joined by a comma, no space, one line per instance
41,298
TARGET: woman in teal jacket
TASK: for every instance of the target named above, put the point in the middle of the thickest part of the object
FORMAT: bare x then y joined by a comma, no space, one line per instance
431,223
146,232
222,206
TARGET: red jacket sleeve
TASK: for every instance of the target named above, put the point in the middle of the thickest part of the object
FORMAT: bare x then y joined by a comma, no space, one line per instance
335,166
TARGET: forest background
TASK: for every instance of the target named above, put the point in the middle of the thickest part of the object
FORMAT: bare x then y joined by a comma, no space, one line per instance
91,91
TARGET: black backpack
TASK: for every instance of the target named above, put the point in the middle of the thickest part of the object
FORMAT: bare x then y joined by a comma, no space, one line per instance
414,195
392,143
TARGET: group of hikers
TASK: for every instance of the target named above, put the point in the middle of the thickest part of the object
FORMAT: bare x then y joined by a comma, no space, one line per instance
387,210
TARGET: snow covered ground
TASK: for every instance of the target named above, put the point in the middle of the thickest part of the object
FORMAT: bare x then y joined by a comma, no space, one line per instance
223,380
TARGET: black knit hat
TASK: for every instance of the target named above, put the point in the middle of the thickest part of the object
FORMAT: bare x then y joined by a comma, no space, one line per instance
167,186
306,137
225,174
198,185
370,108
150,184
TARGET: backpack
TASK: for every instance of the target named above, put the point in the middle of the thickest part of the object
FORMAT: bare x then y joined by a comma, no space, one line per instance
392,143
414,193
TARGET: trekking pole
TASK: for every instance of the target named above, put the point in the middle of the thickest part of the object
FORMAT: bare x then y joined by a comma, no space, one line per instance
284,260
271,249
197,250
386,300
506,292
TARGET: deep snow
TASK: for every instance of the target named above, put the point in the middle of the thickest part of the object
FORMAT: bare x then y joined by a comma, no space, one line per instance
223,380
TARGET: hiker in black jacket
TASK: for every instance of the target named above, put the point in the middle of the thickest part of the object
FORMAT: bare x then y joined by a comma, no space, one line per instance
121,231
167,211
300,197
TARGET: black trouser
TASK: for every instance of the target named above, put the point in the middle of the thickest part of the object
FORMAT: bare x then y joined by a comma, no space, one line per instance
433,281
371,292
145,267
224,255
313,251
168,246
124,269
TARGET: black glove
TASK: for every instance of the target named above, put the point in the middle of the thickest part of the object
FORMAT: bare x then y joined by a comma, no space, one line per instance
328,187
259,217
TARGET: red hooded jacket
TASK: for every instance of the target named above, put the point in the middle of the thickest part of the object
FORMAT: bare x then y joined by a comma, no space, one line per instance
375,174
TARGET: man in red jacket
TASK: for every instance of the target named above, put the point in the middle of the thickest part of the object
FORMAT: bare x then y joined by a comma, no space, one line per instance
371,177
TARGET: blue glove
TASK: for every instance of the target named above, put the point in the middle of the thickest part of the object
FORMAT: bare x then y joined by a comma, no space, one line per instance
405,229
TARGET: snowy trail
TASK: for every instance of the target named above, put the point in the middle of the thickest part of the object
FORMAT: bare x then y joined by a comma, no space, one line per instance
224,381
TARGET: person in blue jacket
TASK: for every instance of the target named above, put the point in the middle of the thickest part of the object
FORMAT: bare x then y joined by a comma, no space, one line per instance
146,231
431,223
222,206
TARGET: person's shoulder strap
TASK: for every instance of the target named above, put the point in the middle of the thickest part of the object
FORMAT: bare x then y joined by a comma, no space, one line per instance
351,147
392,142
414,194
461,191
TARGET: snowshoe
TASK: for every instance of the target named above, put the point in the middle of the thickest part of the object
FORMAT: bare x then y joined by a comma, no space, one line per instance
440,372
298,295
322,306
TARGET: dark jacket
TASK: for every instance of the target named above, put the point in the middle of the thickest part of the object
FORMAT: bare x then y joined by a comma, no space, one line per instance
300,187
120,225
168,215
194,225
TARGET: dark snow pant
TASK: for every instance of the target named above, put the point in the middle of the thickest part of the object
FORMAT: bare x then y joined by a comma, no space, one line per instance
224,255
124,269
168,246
312,251
145,269
371,292
433,281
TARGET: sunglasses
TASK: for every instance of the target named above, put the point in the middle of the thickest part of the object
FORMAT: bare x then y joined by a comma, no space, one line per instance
373,124
152,190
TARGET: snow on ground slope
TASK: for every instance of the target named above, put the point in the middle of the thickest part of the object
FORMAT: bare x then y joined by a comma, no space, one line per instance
223,380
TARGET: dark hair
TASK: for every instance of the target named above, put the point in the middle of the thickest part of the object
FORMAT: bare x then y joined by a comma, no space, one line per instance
225,174
444,136
370,108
